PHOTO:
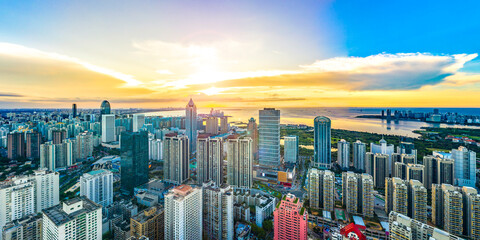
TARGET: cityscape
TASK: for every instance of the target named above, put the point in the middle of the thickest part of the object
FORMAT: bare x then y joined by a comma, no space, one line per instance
239,120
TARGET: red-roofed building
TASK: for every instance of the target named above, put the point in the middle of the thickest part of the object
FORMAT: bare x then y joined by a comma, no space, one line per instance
353,231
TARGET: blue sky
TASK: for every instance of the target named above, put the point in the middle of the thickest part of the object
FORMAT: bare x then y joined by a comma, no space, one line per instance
177,49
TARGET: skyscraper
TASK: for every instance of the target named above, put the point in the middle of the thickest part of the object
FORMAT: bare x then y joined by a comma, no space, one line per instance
321,189
252,132
384,148
74,110
217,211
212,125
84,145
138,122
357,193
290,149
438,170
105,108
97,186
16,145
416,171
380,169
58,135
191,124
239,162
471,203
369,163
108,128
343,154
33,145
417,201
322,143
403,227
134,160
176,155
183,213
396,196
447,208
290,219
78,218
209,159
465,165
269,137
223,124
359,151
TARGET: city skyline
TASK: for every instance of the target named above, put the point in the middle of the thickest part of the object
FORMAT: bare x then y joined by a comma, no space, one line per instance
313,53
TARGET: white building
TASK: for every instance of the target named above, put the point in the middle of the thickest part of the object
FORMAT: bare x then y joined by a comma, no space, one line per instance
108,128
176,156
183,213
25,195
78,218
343,154
138,121
209,160
155,149
359,150
290,149
465,165
97,186
384,148
240,162
218,211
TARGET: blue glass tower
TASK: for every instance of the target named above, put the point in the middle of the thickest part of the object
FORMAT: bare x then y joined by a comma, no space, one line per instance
322,142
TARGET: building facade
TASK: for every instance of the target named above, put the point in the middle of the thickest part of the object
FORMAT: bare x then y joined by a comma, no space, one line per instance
290,219
134,160
183,213
322,142
240,162
97,186
176,158
269,137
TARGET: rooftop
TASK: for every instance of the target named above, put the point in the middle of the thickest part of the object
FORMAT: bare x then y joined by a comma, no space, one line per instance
58,216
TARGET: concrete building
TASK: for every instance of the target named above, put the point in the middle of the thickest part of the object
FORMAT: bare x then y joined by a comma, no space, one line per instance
290,219
290,149
212,126
417,201
240,162
148,223
97,186
209,159
359,151
183,213
78,218
29,227
155,149
447,208
191,125
16,145
396,196
176,157
465,165
84,145
218,218
322,143
357,193
223,124
138,122
416,172
264,205
252,132
438,170
108,128
321,189
343,154
269,137
369,163
386,149
33,141
471,212
380,169
402,227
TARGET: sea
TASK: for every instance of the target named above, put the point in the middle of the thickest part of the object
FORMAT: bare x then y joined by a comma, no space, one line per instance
342,118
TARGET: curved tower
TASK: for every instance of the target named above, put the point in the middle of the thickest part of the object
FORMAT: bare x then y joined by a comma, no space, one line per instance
191,124
322,142
105,107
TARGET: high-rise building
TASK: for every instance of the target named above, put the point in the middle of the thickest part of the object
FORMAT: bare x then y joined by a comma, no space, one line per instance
438,170
402,227
386,149
176,158
218,211
148,223
322,142
359,151
417,201
55,156
212,125
84,145
134,160
46,189
465,165
77,218
400,170
155,149
16,145
209,159
105,108
471,203
447,208
97,186
138,122
380,169
357,193
58,135
239,162
29,227
290,219
183,213
343,154
416,171
34,139
74,110
369,163
108,128
321,189
396,196
269,137
223,124
290,149
252,132
191,124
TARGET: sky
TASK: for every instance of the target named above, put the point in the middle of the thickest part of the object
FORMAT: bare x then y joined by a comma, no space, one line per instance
157,54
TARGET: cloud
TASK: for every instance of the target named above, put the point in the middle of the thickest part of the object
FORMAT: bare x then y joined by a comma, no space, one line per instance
4,94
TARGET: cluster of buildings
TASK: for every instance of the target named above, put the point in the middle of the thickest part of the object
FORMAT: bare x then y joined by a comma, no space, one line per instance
436,116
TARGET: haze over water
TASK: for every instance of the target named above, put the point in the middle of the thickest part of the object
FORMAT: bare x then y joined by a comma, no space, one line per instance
342,118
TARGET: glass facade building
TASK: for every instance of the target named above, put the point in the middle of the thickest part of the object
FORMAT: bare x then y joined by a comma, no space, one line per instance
269,137
322,142
134,160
